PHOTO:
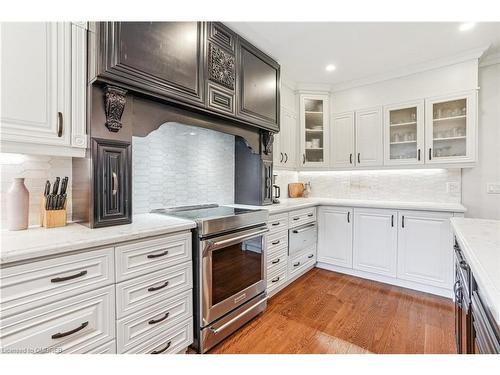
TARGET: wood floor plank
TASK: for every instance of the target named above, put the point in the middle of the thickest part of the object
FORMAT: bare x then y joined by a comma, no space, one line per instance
327,312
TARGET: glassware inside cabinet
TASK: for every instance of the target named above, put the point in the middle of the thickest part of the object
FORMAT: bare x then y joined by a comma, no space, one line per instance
449,128
403,133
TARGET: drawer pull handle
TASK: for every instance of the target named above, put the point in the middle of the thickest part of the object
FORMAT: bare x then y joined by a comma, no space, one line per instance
310,256
275,242
275,261
310,215
153,321
296,218
162,350
155,288
275,224
275,280
296,264
64,334
152,256
66,278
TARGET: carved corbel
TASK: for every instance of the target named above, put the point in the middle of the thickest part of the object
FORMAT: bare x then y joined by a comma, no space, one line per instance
267,141
114,104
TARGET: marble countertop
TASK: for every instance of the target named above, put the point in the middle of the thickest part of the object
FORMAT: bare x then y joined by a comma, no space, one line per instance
298,203
40,242
480,243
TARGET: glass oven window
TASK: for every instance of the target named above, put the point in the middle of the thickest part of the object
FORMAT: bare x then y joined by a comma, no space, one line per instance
236,267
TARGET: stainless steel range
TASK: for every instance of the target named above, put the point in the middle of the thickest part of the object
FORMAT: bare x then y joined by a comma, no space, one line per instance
229,269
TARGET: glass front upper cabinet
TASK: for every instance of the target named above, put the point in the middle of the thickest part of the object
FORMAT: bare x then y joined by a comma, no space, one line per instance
450,133
404,133
314,130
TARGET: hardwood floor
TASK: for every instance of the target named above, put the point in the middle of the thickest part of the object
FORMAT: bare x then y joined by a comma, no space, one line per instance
327,312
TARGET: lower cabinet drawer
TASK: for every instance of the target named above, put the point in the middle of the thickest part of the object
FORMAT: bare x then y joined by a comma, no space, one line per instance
276,241
277,260
301,261
168,341
73,325
30,285
108,348
276,278
139,327
278,223
301,217
143,257
144,291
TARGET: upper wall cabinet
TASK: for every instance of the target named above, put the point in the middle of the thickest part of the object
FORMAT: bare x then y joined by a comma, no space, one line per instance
404,133
314,131
258,87
284,148
199,65
342,140
450,128
43,88
369,139
162,58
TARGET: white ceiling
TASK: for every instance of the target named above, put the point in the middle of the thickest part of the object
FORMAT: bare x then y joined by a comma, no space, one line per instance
361,50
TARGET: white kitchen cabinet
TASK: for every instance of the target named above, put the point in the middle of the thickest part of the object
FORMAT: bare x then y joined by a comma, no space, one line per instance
450,128
335,235
369,137
284,148
404,133
425,248
375,241
43,89
342,140
314,131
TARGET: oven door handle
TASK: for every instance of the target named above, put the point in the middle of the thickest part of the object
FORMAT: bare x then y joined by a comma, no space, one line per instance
228,323
213,245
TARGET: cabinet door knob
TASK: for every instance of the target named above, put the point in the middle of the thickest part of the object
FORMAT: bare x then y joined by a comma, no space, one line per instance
350,158
286,157
59,124
303,158
348,216
281,157
418,154
392,220
430,153
162,350
402,221
359,156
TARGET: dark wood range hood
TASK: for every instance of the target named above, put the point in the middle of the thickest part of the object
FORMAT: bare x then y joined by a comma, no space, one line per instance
146,74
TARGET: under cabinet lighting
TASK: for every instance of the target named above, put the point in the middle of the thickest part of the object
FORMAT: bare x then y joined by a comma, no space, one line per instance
467,26
330,68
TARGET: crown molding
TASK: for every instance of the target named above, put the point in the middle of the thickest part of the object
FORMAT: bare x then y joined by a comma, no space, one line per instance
489,59
474,54
321,87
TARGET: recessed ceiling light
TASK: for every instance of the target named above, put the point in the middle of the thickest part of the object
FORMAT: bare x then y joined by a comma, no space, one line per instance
466,26
330,68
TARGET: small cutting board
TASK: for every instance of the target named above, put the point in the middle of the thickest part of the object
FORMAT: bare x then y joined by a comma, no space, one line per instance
296,190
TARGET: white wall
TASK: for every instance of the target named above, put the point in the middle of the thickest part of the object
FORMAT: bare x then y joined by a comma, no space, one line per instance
474,196
36,170
448,79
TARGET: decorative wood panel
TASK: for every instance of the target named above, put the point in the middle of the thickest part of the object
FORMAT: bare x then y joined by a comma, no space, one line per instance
221,67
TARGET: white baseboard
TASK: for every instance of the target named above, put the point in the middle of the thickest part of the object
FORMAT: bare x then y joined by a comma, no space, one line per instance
448,293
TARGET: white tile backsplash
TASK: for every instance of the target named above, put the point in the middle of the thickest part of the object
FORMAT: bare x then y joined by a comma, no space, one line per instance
179,165
412,185
36,170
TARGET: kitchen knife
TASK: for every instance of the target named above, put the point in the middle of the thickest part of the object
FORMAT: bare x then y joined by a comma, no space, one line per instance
53,197
46,193
64,187
56,186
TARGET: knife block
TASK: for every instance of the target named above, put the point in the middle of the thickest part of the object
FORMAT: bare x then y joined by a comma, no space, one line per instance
52,218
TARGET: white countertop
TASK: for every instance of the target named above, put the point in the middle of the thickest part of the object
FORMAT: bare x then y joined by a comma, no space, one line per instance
40,242
480,243
298,203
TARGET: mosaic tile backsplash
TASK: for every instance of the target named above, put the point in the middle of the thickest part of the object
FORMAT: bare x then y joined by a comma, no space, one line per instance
36,170
422,185
179,165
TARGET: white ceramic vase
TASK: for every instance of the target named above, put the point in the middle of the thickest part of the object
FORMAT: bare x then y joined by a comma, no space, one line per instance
18,198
